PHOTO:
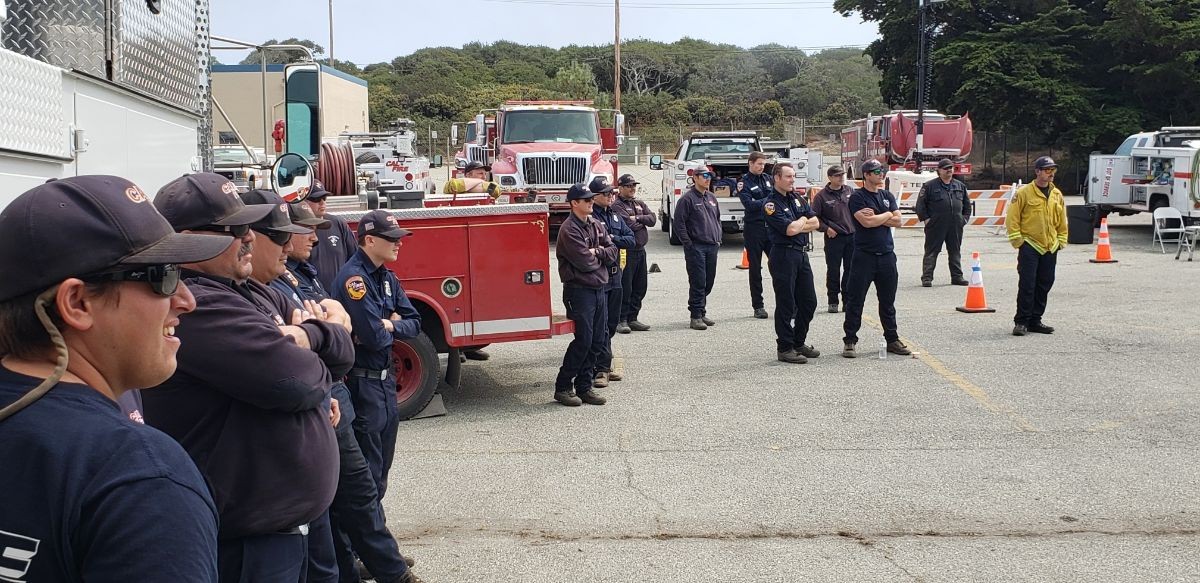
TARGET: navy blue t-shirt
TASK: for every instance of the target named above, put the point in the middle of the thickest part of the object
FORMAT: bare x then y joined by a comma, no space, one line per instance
875,240
89,495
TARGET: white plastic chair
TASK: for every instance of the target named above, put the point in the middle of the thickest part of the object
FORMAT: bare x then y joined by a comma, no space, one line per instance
1164,216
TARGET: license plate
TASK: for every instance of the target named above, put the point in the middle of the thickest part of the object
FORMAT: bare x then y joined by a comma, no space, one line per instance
556,198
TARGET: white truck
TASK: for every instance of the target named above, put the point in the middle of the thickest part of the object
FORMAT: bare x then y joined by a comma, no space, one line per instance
388,163
727,153
1148,170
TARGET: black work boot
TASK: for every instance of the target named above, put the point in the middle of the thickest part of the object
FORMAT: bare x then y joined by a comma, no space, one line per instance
568,398
792,356
698,324
1041,328
623,328
637,326
1020,330
591,398
808,351
760,313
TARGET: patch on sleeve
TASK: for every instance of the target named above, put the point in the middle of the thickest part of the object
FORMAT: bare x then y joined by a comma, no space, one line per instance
356,288
769,208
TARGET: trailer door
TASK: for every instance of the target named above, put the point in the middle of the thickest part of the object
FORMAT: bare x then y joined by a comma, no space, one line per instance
1104,179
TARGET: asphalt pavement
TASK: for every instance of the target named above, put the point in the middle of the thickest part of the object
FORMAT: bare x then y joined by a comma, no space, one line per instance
984,457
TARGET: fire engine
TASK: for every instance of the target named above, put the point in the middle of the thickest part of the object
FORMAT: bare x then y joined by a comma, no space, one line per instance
387,163
1149,170
541,148
475,145
892,139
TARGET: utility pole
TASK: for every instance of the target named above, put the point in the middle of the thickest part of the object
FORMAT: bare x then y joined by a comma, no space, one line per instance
922,70
616,56
330,33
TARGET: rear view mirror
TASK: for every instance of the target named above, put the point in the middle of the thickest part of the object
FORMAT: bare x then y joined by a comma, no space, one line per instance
619,124
302,95
454,134
293,177
437,161
480,125
656,162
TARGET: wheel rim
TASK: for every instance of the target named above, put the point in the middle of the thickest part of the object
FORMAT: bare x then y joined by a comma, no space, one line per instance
409,371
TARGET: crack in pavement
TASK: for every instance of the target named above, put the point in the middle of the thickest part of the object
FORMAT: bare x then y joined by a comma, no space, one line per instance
883,552
625,459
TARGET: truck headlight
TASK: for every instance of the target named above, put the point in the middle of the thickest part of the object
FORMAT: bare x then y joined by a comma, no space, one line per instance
460,163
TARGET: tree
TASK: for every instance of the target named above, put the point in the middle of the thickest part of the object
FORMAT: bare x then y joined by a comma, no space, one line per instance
277,57
575,81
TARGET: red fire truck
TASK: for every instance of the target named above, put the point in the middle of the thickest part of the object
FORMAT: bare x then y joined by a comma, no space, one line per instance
475,145
892,139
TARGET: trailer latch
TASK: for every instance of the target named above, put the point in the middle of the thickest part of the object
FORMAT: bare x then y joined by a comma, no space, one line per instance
534,277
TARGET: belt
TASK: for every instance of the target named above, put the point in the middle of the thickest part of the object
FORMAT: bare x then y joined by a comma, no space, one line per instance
367,373
301,530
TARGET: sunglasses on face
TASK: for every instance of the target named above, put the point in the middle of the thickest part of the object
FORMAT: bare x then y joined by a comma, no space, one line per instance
280,238
236,231
705,175
388,239
879,172
163,279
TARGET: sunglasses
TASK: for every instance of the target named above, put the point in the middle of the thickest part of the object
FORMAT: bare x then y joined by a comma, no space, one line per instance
879,172
280,238
388,239
163,279
705,175
237,231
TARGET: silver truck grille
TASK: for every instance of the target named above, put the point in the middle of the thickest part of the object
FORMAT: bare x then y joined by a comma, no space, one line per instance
476,154
544,170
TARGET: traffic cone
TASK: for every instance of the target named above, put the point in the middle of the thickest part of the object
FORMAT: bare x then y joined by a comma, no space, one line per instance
745,260
976,298
1104,247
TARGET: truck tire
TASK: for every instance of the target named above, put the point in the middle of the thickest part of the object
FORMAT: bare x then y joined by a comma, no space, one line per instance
667,227
417,374
665,222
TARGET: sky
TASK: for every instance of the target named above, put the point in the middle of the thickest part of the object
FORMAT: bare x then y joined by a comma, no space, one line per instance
377,31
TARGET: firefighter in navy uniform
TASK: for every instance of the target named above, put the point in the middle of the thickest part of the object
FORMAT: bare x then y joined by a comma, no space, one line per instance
753,189
381,314
335,246
944,206
622,237
789,220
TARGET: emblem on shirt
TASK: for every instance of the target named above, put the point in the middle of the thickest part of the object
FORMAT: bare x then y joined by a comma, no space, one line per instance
387,288
356,288
334,240
769,208
291,278
18,552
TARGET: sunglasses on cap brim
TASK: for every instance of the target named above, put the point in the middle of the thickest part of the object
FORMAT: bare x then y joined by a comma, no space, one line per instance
163,279
236,231
280,238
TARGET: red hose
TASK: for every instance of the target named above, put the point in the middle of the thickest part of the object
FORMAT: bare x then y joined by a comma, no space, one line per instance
335,169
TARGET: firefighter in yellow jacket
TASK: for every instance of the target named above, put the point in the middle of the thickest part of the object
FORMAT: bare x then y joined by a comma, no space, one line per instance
475,179
1037,228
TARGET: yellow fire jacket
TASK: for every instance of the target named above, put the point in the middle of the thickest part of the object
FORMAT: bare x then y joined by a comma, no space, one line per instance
1037,219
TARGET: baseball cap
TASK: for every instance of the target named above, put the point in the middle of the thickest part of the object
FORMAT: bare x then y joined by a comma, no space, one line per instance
302,214
835,170
600,185
86,225
199,200
871,166
627,180
278,218
702,170
318,191
475,165
579,192
380,223
945,164
1044,162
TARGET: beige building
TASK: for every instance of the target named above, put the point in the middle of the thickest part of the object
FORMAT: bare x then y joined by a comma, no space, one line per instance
238,89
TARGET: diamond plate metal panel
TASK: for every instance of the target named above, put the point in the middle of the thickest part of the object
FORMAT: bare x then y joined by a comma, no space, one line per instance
203,52
71,34
157,54
445,212
32,119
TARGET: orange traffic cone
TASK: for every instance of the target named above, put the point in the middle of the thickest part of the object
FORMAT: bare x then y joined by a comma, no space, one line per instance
976,299
1104,248
745,260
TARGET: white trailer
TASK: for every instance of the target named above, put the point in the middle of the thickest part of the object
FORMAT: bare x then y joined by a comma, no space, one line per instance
1148,171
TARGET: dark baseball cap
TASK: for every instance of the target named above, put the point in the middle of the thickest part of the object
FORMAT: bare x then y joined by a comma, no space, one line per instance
871,166
381,223
475,165
86,225
945,164
579,192
318,191
600,185
1044,162
302,214
627,180
199,200
276,220
835,170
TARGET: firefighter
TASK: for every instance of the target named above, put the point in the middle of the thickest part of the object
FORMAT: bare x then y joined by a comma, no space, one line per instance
623,238
754,188
585,255
875,210
1037,228
381,314
789,220
88,495
475,179
336,245
831,207
640,218
697,224
945,207
250,400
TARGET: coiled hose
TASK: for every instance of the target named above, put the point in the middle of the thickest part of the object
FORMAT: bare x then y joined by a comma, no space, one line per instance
335,169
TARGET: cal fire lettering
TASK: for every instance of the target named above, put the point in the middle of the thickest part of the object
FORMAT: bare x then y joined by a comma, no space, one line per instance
16,555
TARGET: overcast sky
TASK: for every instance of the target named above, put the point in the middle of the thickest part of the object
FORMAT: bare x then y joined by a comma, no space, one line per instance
380,30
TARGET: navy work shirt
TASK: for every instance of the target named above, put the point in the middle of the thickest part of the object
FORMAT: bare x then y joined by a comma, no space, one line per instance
782,209
300,283
697,219
754,192
874,240
372,294
89,495
622,237
335,246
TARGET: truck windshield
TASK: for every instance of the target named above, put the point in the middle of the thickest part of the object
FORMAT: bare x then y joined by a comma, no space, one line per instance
471,133
700,151
576,127
1126,147
234,156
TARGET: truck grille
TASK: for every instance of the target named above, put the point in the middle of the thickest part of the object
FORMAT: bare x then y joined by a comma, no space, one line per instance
476,154
544,170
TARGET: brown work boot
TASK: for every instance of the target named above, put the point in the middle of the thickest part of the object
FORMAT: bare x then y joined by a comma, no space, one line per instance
898,347
708,321
849,351
600,381
614,376
698,324
623,328
591,398
637,326
790,356
568,398
808,351
410,577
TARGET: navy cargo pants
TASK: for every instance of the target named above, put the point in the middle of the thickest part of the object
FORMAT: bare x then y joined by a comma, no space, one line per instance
604,354
633,284
588,308
701,262
1035,277
795,296
377,418
839,258
880,270
757,244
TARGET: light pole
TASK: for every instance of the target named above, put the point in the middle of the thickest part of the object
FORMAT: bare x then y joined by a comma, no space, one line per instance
617,56
330,33
922,70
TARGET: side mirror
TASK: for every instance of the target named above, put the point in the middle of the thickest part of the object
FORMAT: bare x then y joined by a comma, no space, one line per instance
437,161
293,177
302,98
656,162
454,134
619,124
480,125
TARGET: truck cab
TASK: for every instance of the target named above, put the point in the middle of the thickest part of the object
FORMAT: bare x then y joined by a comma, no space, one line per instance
1147,171
475,145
